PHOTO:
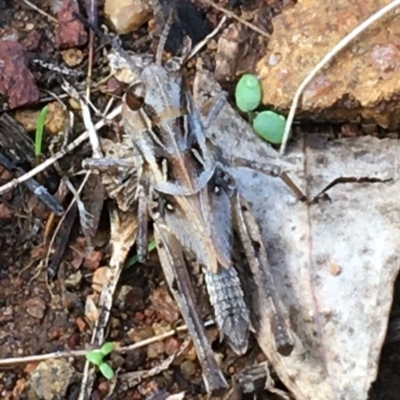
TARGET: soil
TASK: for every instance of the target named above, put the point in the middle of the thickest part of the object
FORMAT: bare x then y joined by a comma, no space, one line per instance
39,316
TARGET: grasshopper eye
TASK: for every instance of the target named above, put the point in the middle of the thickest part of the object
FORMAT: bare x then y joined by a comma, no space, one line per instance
135,96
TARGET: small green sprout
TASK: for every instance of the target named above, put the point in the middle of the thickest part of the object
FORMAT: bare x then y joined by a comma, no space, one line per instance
270,126
39,130
96,358
134,259
248,93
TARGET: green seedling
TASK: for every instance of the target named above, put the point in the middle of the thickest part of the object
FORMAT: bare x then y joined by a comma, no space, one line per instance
248,93
133,260
39,130
270,126
96,358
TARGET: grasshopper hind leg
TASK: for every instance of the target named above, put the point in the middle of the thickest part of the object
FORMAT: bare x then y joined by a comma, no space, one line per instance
231,313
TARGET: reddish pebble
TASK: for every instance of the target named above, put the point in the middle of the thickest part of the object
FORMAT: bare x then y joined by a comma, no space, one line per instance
35,307
172,345
71,32
16,80
94,259
74,341
5,212
139,316
81,324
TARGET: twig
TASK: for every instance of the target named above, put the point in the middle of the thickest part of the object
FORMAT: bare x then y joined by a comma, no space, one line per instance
50,161
81,353
40,11
328,57
232,15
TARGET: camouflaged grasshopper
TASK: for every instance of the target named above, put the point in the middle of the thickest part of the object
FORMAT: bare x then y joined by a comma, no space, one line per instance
179,181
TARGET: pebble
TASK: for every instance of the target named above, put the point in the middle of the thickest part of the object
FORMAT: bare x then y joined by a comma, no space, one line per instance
139,334
154,350
164,305
16,80
70,32
127,15
51,379
35,307
188,369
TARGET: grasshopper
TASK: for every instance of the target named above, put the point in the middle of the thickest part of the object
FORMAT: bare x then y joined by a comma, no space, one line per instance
182,184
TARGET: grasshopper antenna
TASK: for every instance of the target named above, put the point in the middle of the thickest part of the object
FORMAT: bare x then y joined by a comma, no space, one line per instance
164,35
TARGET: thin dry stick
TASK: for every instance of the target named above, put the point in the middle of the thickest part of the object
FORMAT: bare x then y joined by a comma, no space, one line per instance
81,353
40,11
328,57
232,15
50,161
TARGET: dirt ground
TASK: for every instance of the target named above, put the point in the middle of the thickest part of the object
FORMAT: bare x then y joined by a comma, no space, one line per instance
38,316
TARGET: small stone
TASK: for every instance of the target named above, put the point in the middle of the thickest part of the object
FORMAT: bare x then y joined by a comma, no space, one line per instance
93,260
161,327
128,15
72,57
73,280
139,334
55,120
172,345
35,307
81,324
51,379
122,293
164,305
154,350
5,212
134,359
190,352
91,311
16,81
135,299
100,277
188,369
71,32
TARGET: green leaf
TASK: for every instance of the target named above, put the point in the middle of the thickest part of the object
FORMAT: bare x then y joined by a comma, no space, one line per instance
270,126
107,371
107,348
133,260
39,130
248,93
95,357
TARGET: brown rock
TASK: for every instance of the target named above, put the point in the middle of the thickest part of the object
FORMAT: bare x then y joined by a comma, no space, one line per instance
172,345
135,299
35,307
51,380
128,15
137,335
93,260
71,32
5,212
55,120
16,81
364,78
100,278
72,57
188,369
164,305
155,349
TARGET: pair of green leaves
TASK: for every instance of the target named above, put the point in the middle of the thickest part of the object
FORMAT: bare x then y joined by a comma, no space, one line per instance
96,357
268,124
